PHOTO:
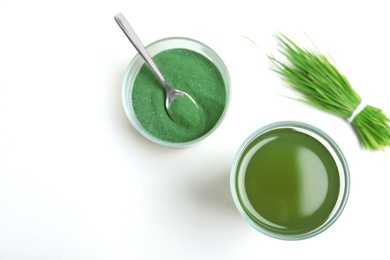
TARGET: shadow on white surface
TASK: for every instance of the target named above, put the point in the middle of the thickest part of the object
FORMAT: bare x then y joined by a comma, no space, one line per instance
214,193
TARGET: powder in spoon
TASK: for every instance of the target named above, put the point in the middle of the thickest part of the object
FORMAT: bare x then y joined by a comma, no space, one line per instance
190,72
185,112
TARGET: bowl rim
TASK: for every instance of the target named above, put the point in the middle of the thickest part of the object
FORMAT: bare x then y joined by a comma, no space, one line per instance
137,62
331,146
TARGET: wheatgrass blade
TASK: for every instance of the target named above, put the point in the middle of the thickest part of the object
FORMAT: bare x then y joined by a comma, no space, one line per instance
324,87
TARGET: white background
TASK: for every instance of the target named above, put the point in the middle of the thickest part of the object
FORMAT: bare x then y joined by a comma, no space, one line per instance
78,182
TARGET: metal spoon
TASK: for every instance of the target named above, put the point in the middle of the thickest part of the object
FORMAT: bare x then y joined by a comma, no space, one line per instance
170,92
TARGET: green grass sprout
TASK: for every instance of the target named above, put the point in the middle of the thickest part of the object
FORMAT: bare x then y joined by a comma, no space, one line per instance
324,87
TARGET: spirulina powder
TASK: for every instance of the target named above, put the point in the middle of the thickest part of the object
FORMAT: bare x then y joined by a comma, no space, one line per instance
188,71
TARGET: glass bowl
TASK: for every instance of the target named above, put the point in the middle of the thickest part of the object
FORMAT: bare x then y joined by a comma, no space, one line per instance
137,63
290,180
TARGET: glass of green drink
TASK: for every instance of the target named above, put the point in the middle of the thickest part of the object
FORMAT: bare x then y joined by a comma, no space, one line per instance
290,180
187,65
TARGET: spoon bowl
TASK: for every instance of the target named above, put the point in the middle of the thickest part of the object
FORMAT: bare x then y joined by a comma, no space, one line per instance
170,92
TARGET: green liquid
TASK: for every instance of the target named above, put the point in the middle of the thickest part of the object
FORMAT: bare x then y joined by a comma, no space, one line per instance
291,182
188,71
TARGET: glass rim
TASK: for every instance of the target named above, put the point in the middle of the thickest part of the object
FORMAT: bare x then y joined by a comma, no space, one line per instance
154,48
329,144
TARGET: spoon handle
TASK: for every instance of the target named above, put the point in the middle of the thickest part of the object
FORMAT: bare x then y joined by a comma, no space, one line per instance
130,33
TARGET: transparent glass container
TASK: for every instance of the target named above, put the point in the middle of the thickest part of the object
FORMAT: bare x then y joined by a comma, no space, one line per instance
153,49
238,181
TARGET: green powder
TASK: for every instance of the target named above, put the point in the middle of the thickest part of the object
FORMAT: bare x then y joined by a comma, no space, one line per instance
291,182
190,72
